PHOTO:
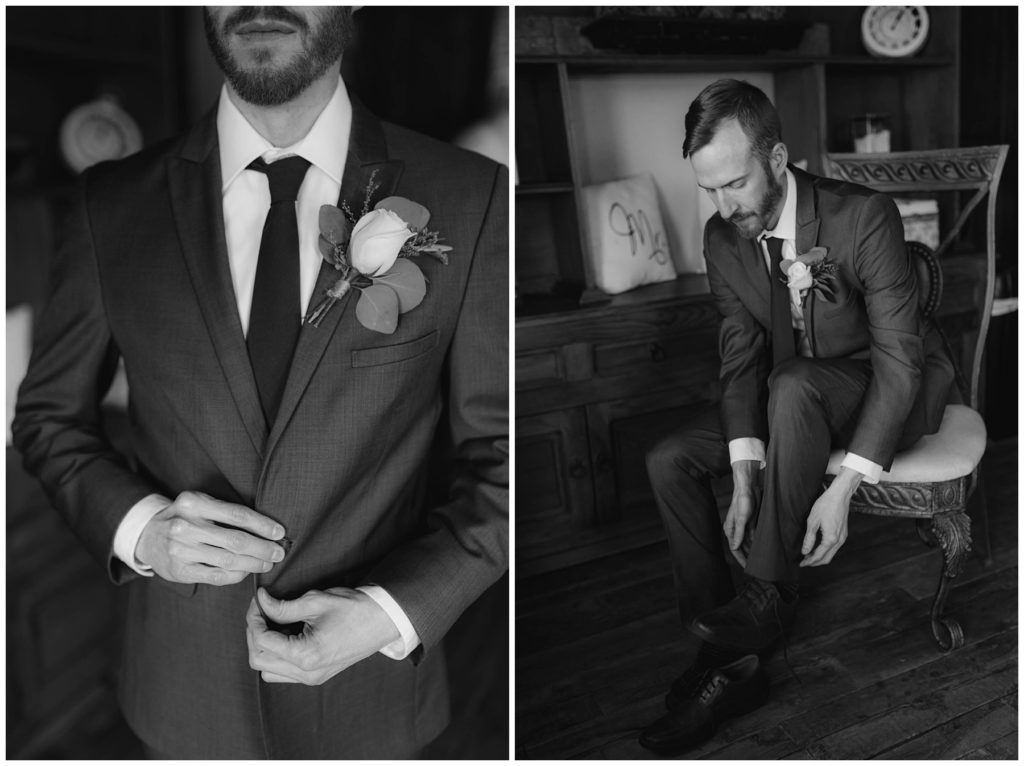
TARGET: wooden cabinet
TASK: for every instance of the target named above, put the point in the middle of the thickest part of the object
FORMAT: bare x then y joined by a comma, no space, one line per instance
595,388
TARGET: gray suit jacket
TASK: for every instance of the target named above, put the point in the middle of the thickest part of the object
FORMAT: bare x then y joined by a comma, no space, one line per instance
143,275
875,316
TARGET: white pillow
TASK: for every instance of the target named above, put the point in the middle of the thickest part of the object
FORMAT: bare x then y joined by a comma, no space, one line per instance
628,244
19,349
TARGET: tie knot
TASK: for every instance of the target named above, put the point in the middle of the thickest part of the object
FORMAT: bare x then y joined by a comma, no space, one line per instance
285,177
774,248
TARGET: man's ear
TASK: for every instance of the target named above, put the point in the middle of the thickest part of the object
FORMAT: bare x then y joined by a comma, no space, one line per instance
779,157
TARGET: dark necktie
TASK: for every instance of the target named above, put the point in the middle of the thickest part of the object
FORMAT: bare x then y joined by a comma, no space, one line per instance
274,319
783,342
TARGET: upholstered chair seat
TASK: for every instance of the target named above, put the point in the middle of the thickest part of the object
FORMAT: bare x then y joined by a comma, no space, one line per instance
954,451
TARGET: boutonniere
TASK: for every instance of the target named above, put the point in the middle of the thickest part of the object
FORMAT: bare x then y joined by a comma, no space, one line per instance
811,271
372,255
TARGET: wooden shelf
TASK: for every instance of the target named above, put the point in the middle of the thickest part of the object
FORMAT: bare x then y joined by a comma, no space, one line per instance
533,189
685,286
615,63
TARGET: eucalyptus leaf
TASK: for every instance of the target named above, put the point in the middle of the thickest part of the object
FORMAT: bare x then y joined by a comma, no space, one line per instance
377,309
331,253
334,226
406,279
413,213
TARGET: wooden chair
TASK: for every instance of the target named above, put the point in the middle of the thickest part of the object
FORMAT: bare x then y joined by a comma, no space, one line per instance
937,480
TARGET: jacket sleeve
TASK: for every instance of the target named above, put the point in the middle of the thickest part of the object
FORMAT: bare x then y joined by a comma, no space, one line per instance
743,346
436,576
897,346
58,425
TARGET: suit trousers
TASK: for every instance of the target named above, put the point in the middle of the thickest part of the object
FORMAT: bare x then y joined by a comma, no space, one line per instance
813,404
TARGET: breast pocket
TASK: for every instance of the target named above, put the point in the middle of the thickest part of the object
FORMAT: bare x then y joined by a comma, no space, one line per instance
398,352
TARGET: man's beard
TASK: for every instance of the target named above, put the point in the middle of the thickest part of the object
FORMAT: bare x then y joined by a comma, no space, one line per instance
263,85
750,224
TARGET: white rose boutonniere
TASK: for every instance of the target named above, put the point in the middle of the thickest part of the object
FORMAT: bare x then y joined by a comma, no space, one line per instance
811,271
377,239
372,253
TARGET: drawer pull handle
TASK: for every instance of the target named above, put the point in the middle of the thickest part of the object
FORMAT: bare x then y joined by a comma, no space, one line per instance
657,352
577,469
604,464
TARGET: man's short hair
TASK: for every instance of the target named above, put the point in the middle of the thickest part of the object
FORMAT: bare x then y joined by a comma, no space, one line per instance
726,99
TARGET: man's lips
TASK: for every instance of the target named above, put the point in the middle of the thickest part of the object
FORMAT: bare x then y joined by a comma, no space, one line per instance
264,28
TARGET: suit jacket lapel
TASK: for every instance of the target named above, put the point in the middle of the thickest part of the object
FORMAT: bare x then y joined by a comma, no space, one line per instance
807,225
195,185
366,159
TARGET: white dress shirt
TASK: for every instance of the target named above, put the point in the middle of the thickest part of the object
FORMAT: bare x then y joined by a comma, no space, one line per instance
750,448
246,202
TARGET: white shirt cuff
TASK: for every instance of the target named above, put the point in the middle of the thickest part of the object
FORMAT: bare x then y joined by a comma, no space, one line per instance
408,639
130,530
746,448
872,471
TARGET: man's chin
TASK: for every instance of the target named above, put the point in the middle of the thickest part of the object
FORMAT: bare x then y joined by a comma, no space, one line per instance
748,228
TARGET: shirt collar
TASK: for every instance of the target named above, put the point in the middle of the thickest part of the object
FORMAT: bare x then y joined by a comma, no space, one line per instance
325,146
786,227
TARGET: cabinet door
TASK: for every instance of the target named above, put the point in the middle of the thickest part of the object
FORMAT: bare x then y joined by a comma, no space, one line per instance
554,491
621,433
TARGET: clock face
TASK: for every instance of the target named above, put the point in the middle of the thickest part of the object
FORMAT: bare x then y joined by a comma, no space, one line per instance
894,30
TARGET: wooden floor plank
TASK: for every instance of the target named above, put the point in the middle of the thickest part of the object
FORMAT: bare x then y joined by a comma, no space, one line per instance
878,698
960,735
1003,749
900,728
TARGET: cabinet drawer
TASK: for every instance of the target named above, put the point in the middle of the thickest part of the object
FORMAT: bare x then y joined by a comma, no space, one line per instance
538,369
650,354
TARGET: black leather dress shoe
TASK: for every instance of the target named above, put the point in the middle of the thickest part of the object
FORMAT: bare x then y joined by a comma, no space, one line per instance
685,688
751,622
724,693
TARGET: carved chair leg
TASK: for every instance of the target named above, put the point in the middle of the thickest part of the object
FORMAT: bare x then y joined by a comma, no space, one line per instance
977,506
953,531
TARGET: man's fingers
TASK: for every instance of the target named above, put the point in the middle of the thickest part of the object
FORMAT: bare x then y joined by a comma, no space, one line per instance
188,552
254,619
301,609
232,514
200,573
281,667
225,559
240,543
274,678
738,555
809,537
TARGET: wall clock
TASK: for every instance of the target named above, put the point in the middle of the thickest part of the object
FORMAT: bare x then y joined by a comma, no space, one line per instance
894,30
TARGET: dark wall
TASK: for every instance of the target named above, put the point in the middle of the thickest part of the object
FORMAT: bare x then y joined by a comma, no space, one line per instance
424,68
988,108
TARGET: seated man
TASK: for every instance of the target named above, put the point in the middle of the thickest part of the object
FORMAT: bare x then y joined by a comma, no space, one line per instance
822,344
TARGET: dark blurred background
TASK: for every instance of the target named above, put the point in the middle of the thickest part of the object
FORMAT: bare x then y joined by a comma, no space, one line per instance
441,71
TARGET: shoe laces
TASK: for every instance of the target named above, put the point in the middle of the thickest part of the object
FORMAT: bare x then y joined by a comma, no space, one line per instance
690,681
760,595
711,681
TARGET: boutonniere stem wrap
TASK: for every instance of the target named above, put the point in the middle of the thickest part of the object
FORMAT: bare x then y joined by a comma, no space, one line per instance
372,255
811,271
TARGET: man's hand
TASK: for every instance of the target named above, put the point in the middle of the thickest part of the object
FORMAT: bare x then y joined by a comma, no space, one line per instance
742,507
829,516
343,626
185,542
